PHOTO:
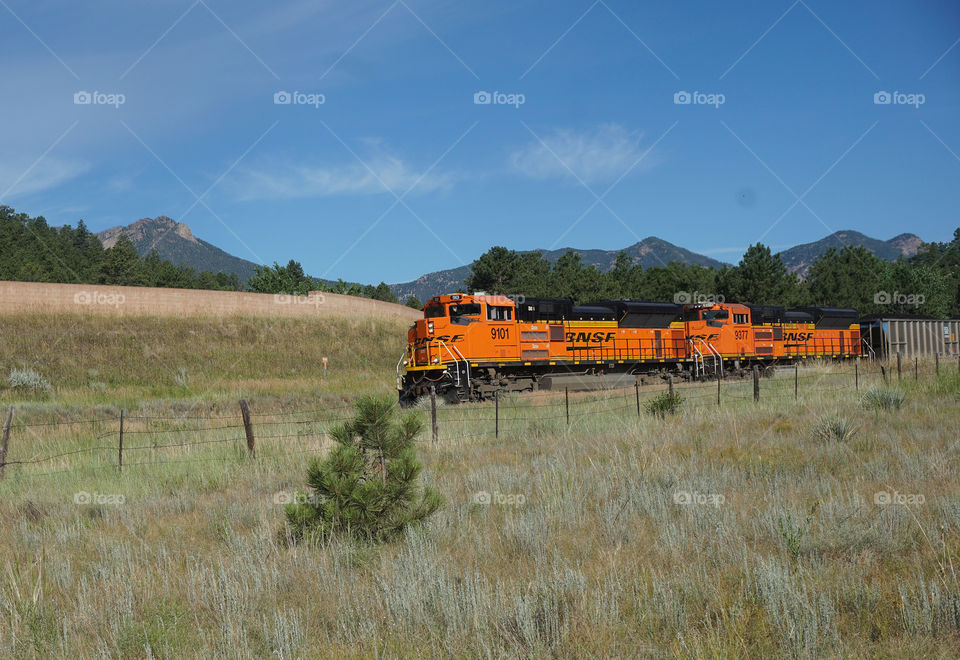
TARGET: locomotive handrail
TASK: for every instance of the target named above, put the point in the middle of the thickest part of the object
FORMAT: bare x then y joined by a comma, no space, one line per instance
713,353
456,358
399,379
717,358
466,364
697,363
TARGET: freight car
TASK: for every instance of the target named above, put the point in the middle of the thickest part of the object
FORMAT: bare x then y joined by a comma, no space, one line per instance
471,346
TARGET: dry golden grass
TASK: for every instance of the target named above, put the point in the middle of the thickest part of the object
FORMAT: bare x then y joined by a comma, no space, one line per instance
738,531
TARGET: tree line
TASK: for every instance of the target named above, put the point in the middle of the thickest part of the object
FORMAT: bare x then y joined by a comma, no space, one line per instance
33,251
925,284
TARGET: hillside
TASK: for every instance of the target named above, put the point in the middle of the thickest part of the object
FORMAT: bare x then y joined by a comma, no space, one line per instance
649,252
798,258
175,242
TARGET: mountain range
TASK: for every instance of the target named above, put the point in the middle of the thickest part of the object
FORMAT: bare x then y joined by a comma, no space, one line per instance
798,258
175,241
649,252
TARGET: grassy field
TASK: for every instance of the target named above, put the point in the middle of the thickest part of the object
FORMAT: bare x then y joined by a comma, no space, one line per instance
821,526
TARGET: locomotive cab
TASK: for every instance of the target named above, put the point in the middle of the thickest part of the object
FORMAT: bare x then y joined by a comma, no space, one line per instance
718,330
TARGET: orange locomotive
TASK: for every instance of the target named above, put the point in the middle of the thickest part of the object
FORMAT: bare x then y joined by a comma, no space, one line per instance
471,346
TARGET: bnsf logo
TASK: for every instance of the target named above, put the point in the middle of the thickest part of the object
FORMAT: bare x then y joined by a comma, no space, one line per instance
797,336
423,341
590,337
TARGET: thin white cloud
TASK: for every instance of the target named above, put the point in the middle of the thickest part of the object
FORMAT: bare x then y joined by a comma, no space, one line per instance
22,179
381,174
601,154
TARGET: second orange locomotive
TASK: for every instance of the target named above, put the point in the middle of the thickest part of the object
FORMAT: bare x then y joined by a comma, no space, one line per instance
471,346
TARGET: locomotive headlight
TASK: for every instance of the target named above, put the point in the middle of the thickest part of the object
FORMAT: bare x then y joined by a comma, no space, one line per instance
430,327
436,360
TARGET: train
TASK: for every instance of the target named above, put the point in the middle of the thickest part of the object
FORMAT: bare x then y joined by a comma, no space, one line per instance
469,347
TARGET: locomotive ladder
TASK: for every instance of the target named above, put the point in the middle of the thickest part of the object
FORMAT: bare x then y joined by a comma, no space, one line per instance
457,357
714,353
697,359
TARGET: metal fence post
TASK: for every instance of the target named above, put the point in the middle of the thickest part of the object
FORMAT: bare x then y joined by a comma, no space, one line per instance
636,387
856,375
120,448
916,368
433,412
718,388
899,369
496,415
796,381
566,398
756,383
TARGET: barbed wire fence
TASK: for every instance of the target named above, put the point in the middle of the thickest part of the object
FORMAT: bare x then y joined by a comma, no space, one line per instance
121,441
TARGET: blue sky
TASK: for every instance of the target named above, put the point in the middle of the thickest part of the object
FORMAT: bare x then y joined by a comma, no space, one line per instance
400,171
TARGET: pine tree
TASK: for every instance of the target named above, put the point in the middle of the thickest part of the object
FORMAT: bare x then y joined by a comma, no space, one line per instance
494,271
366,488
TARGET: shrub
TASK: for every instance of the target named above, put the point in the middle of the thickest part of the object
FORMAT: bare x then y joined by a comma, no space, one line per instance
366,488
883,398
664,404
834,429
28,379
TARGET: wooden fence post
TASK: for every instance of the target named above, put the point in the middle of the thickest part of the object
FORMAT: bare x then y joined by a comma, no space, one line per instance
6,441
670,381
248,428
120,448
916,368
883,372
936,363
899,370
718,388
433,412
756,383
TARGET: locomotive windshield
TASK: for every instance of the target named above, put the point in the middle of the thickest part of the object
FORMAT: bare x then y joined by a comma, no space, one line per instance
466,309
433,311
715,314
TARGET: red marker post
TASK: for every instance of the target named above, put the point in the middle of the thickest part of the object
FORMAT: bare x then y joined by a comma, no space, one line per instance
324,368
